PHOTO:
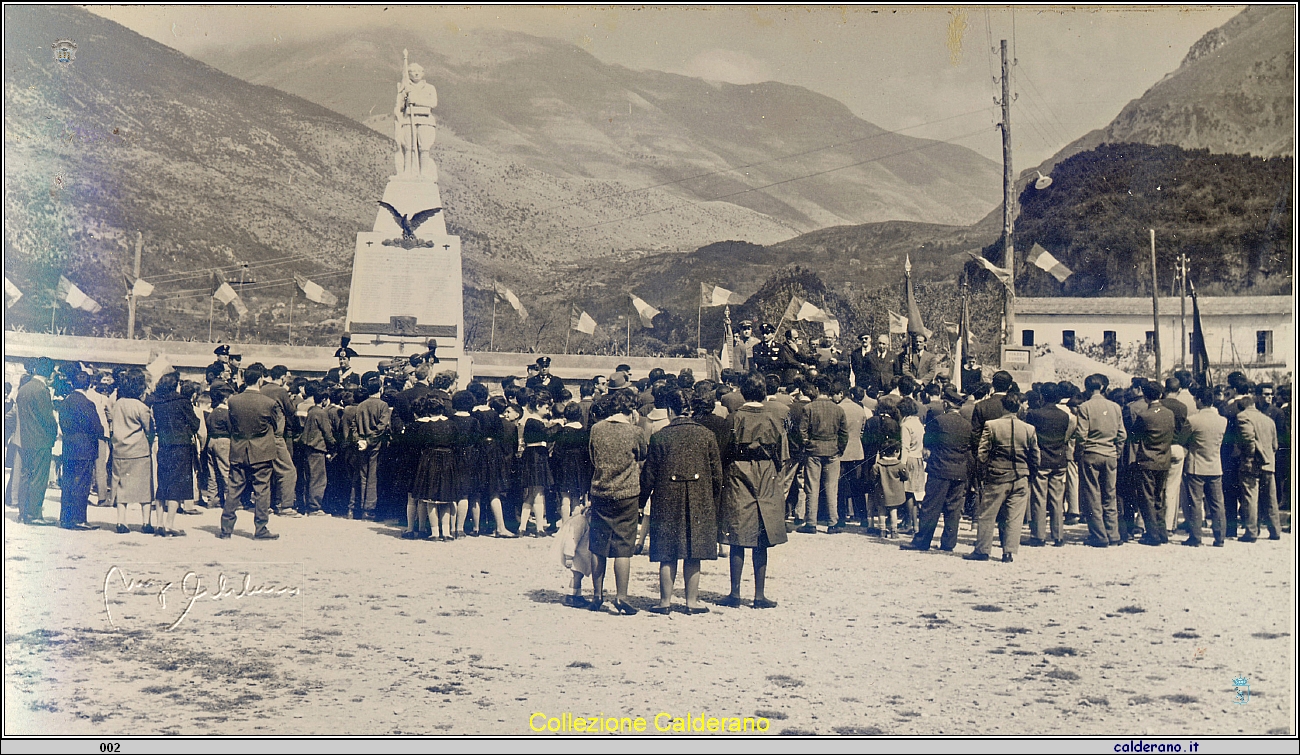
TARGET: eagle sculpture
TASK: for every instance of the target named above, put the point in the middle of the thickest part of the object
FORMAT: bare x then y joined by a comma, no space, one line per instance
409,224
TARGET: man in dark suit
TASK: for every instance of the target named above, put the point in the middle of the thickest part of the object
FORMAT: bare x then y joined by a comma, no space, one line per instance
1151,439
921,364
284,475
990,408
877,367
82,431
858,360
1055,428
37,430
947,448
254,418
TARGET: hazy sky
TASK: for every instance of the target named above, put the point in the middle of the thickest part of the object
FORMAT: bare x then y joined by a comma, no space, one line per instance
926,70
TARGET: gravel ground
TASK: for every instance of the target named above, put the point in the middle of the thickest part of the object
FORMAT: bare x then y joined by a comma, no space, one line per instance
342,628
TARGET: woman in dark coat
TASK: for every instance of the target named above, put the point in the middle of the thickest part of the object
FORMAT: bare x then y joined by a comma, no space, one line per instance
683,474
753,500
176,424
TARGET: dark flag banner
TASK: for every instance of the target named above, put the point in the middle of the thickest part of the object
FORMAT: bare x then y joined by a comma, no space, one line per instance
914,324
1200,356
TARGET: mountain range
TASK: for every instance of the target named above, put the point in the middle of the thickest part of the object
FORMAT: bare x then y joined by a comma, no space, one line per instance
578,187
1233,94
797,157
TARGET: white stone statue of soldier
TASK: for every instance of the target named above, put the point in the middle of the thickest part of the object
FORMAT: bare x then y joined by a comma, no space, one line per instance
415,128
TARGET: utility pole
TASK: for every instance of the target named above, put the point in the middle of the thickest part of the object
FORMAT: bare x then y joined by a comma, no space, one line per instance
1182,306
1008,205
239,321
130,299
1155,306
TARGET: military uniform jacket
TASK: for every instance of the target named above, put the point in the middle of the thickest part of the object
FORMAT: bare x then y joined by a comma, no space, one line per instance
254,418
766,358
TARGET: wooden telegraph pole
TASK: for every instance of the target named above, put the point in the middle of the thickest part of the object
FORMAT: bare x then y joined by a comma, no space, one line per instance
130,299
1182,307
1008,205
1155,306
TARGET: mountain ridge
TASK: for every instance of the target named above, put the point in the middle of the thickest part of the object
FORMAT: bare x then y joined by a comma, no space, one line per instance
584,118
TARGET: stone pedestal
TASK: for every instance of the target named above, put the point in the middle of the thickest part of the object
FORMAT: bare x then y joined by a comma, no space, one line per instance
400,298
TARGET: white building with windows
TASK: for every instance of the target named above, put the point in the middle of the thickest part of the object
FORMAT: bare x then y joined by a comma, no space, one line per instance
1251,332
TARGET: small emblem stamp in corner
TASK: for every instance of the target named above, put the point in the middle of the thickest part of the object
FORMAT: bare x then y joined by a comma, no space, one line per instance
1241,690
65,50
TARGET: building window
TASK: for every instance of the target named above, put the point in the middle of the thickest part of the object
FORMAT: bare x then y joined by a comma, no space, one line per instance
1067,339
1026,338
1263,345
1151,340
1109,343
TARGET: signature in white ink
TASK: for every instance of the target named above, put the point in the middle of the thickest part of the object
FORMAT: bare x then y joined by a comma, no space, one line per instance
191,590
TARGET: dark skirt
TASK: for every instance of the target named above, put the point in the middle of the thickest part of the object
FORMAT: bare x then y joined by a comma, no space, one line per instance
469,471
435,477
572,472
611,532
175,473
399,466
535,468
494,477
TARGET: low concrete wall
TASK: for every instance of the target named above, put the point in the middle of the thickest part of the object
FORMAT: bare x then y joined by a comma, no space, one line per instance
191,356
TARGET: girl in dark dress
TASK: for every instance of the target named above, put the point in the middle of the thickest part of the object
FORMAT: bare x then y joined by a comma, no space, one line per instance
468,470
534,463
571,461
176,424
432,438
495,452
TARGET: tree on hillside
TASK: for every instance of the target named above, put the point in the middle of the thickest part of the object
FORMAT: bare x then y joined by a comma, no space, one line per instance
1231,215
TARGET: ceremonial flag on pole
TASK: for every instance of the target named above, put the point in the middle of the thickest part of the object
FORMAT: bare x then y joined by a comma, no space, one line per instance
141,287
792,309
716,296
511,299
812,313
315,292
1200,356
1044,260
158,367
226,295
999,273
582,322
897,323
646,311
12,294
914,324
75,297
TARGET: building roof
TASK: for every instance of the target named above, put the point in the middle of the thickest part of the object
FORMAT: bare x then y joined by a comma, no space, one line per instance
1141,305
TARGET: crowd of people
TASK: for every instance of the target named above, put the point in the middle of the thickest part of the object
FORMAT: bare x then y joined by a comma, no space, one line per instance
701,469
